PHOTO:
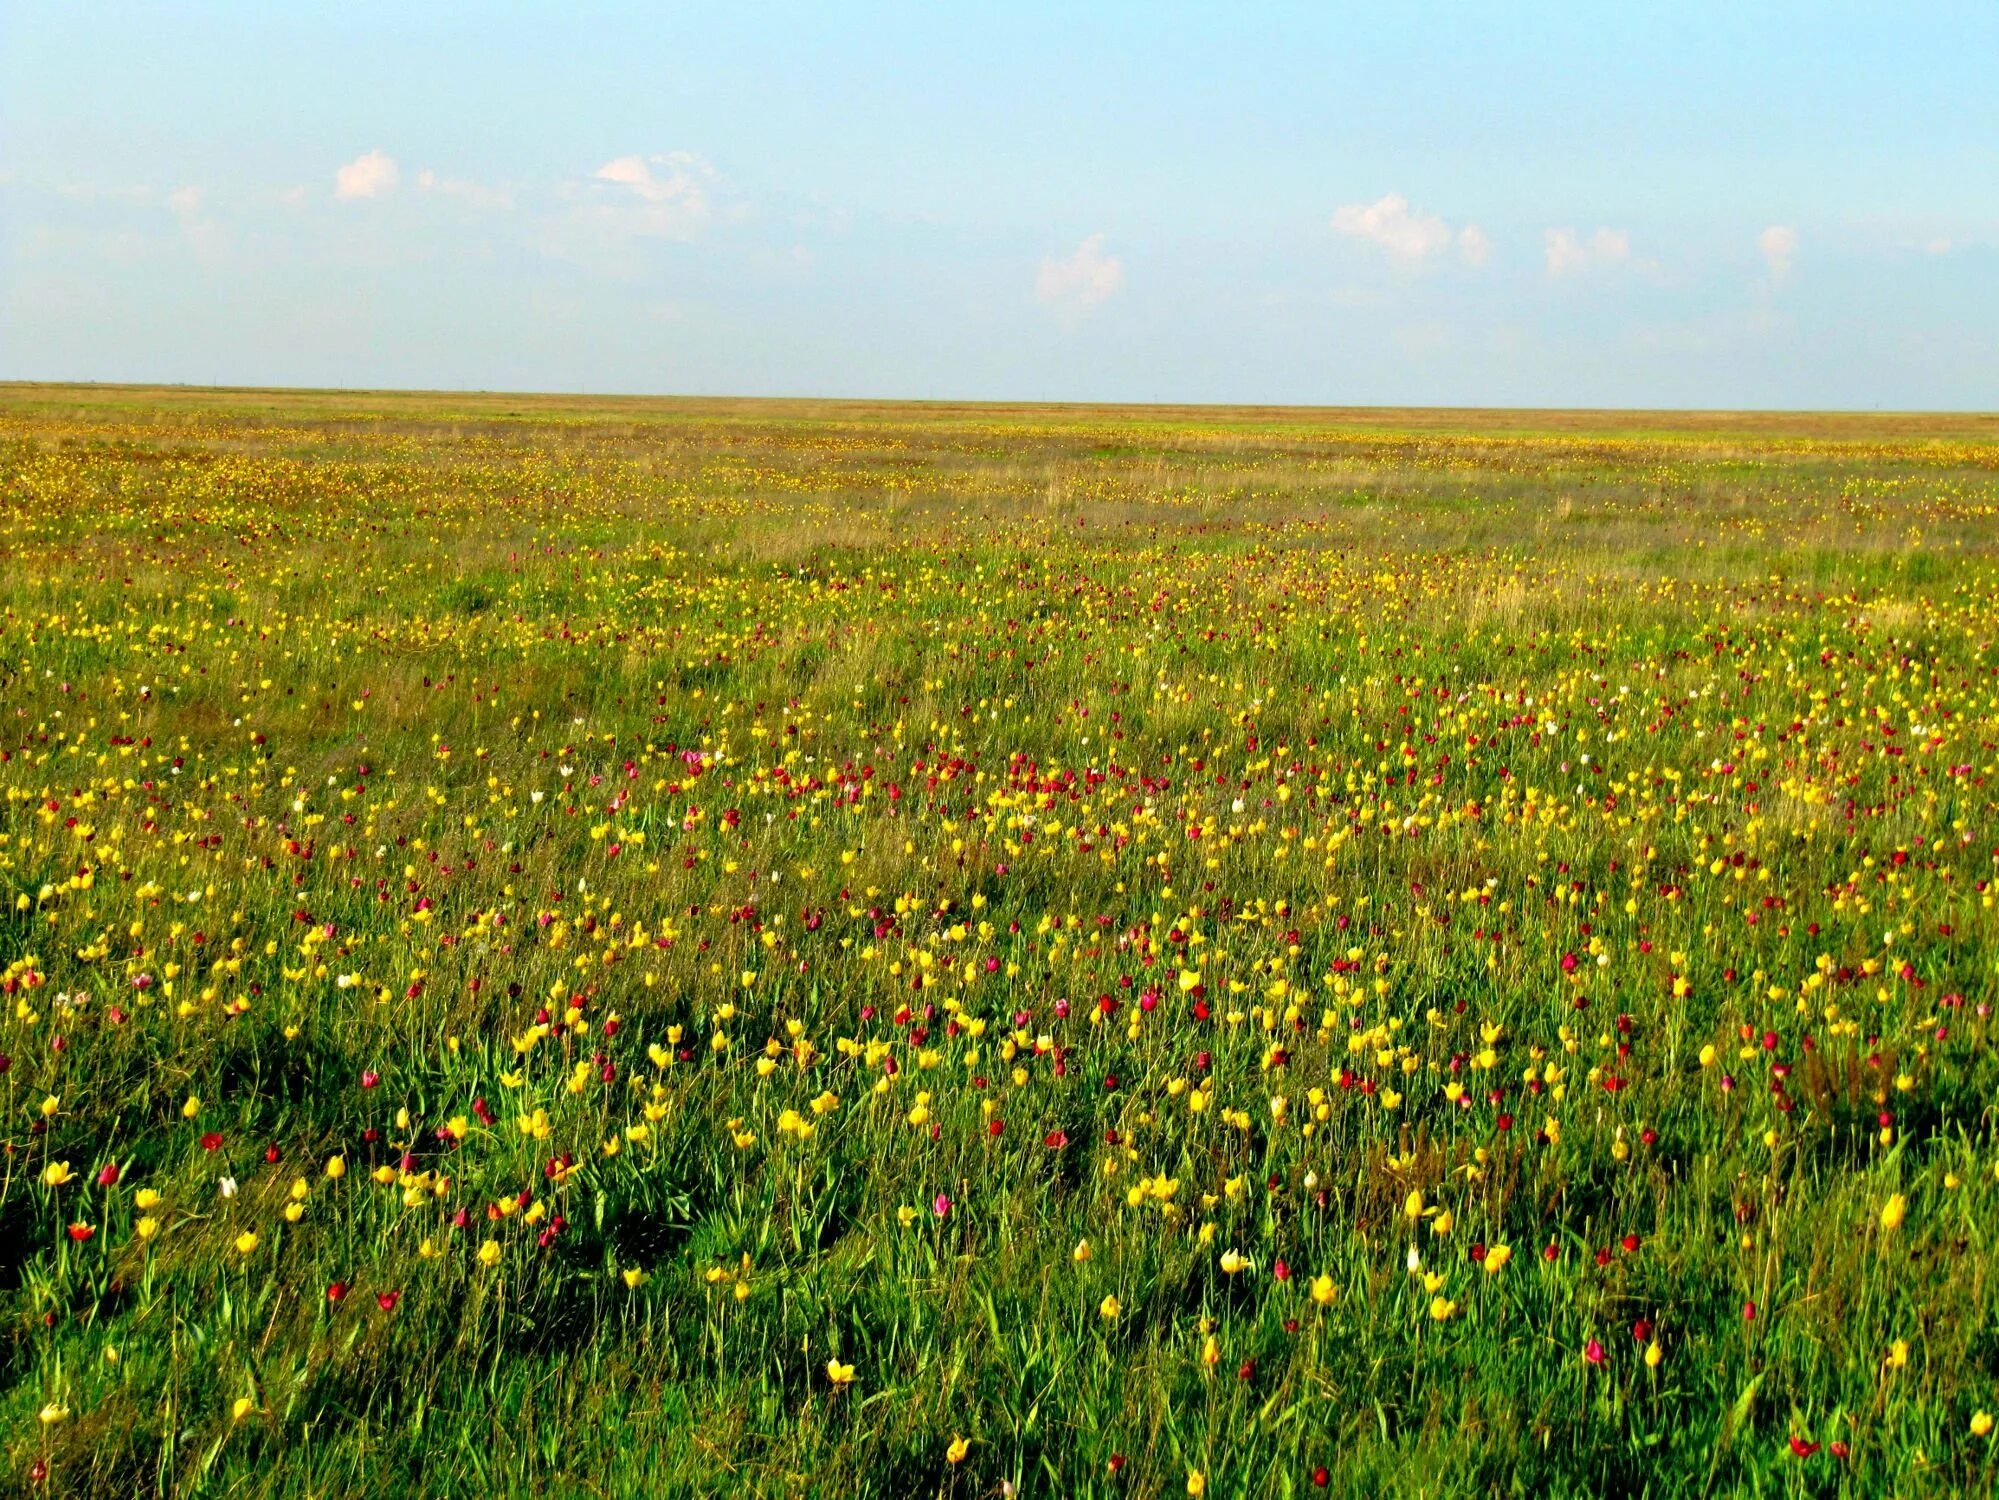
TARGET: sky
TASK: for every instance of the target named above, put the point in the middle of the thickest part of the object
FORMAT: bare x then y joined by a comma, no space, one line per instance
1690,205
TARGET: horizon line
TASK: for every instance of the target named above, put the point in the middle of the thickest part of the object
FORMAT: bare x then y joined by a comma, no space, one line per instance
14,383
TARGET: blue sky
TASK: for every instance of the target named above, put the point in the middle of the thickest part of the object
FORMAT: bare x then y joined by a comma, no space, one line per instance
1689,205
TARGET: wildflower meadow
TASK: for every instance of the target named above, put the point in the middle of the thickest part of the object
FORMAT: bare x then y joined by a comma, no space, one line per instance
633,948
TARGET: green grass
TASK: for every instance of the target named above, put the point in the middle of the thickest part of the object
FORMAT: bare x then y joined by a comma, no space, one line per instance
1215,838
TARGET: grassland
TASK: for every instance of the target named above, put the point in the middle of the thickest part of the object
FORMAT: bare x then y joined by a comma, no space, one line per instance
616,947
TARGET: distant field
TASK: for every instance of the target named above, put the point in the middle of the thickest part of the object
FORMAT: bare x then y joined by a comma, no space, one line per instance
597,946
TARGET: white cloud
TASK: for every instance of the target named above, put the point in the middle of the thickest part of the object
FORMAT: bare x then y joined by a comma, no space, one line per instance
670,195
367,176
472,194
1778,246
1407,235
1390,223
1080,280
1568,253
204,235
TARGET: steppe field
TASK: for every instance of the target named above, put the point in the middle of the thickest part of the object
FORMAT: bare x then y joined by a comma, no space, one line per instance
576,947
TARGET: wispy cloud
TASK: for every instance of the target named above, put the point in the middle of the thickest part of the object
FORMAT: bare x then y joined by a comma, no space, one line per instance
1569,254
367,176
1082,279
463,190
1408,236
1474,245
1778,245
670,194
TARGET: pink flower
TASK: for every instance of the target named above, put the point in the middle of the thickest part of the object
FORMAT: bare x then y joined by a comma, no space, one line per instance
1593,1352
942,1205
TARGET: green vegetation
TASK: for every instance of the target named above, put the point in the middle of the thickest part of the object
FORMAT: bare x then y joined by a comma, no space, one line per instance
645,947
